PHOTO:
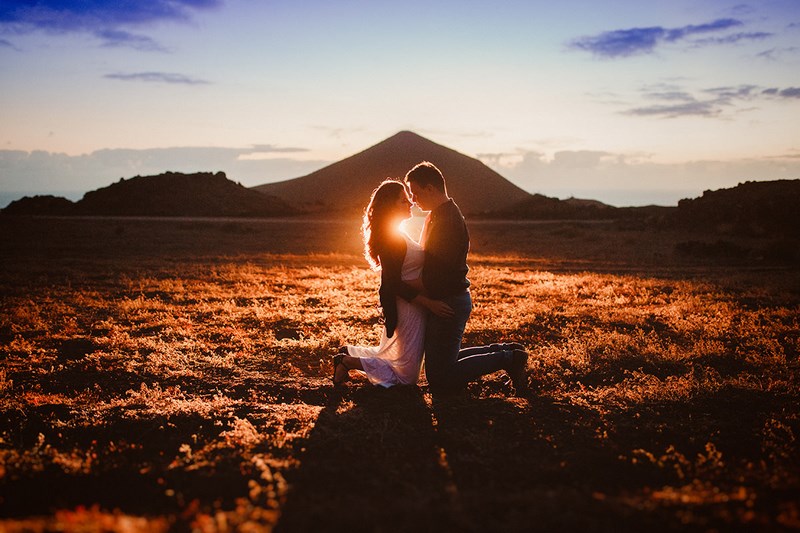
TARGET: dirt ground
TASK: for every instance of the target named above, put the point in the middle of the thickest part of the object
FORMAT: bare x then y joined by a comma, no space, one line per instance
173,375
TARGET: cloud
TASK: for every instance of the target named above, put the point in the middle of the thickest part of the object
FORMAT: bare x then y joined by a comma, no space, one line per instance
670,95
618,179
268,151
694,108
671,102
158,77
579,159
7,44
271,148
79,15
621,43
629,179
634,41
774,54
727,94
789,92
46,172
105,19
120,38
677,34
792,155
733,39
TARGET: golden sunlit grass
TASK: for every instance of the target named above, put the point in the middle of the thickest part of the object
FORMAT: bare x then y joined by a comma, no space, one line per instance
182,390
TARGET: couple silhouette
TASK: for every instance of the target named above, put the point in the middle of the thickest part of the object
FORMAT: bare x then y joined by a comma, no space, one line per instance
424,294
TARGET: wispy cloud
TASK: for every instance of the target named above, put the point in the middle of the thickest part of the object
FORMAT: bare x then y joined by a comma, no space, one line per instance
157,77
774,54
78,15
621,43
735,38
676,34
48,172
121,38
632,179
728,94
672,102
103,18
271,148
7,44
268,151
634,41
694,108
789,92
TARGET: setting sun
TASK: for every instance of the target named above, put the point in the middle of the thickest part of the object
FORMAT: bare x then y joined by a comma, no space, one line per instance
412,227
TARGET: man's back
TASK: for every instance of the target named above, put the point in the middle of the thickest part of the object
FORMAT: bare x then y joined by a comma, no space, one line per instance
446,243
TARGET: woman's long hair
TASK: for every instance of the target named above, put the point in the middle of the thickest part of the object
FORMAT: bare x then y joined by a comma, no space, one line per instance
380,219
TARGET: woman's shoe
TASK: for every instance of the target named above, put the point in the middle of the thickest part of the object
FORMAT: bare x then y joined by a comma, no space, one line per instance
337,360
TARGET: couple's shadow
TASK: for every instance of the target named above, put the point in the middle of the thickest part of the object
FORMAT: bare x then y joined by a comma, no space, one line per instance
396,459
370,463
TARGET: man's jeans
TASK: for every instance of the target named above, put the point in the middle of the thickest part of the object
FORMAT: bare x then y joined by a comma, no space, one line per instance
448,367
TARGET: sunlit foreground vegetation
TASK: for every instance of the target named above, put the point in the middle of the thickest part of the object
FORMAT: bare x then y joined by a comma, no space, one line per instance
174,375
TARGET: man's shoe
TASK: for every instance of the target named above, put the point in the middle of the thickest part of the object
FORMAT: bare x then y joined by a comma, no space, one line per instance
513,346
518,371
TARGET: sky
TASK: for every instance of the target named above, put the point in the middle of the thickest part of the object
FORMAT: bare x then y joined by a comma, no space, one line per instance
631,102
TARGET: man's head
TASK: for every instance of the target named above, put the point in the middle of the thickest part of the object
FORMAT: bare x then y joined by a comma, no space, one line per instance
427,186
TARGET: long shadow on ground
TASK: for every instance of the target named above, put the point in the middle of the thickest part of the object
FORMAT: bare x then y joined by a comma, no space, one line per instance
371,462
396,460
525,465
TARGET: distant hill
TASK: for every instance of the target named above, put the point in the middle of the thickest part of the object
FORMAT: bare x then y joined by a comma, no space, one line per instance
40,205
346,185
759,208
171,194
751,208
539,207
176,194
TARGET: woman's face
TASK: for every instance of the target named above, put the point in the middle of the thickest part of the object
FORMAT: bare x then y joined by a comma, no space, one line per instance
403,205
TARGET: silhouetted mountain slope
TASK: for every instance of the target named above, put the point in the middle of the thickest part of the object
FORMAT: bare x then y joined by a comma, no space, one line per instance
40,205
170,194
347,184
539,207
582,202
752,208
176,194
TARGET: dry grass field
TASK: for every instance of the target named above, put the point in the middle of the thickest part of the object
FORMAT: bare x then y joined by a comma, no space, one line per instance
173,375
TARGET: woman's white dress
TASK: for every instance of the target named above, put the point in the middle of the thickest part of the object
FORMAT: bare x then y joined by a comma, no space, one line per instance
397,360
